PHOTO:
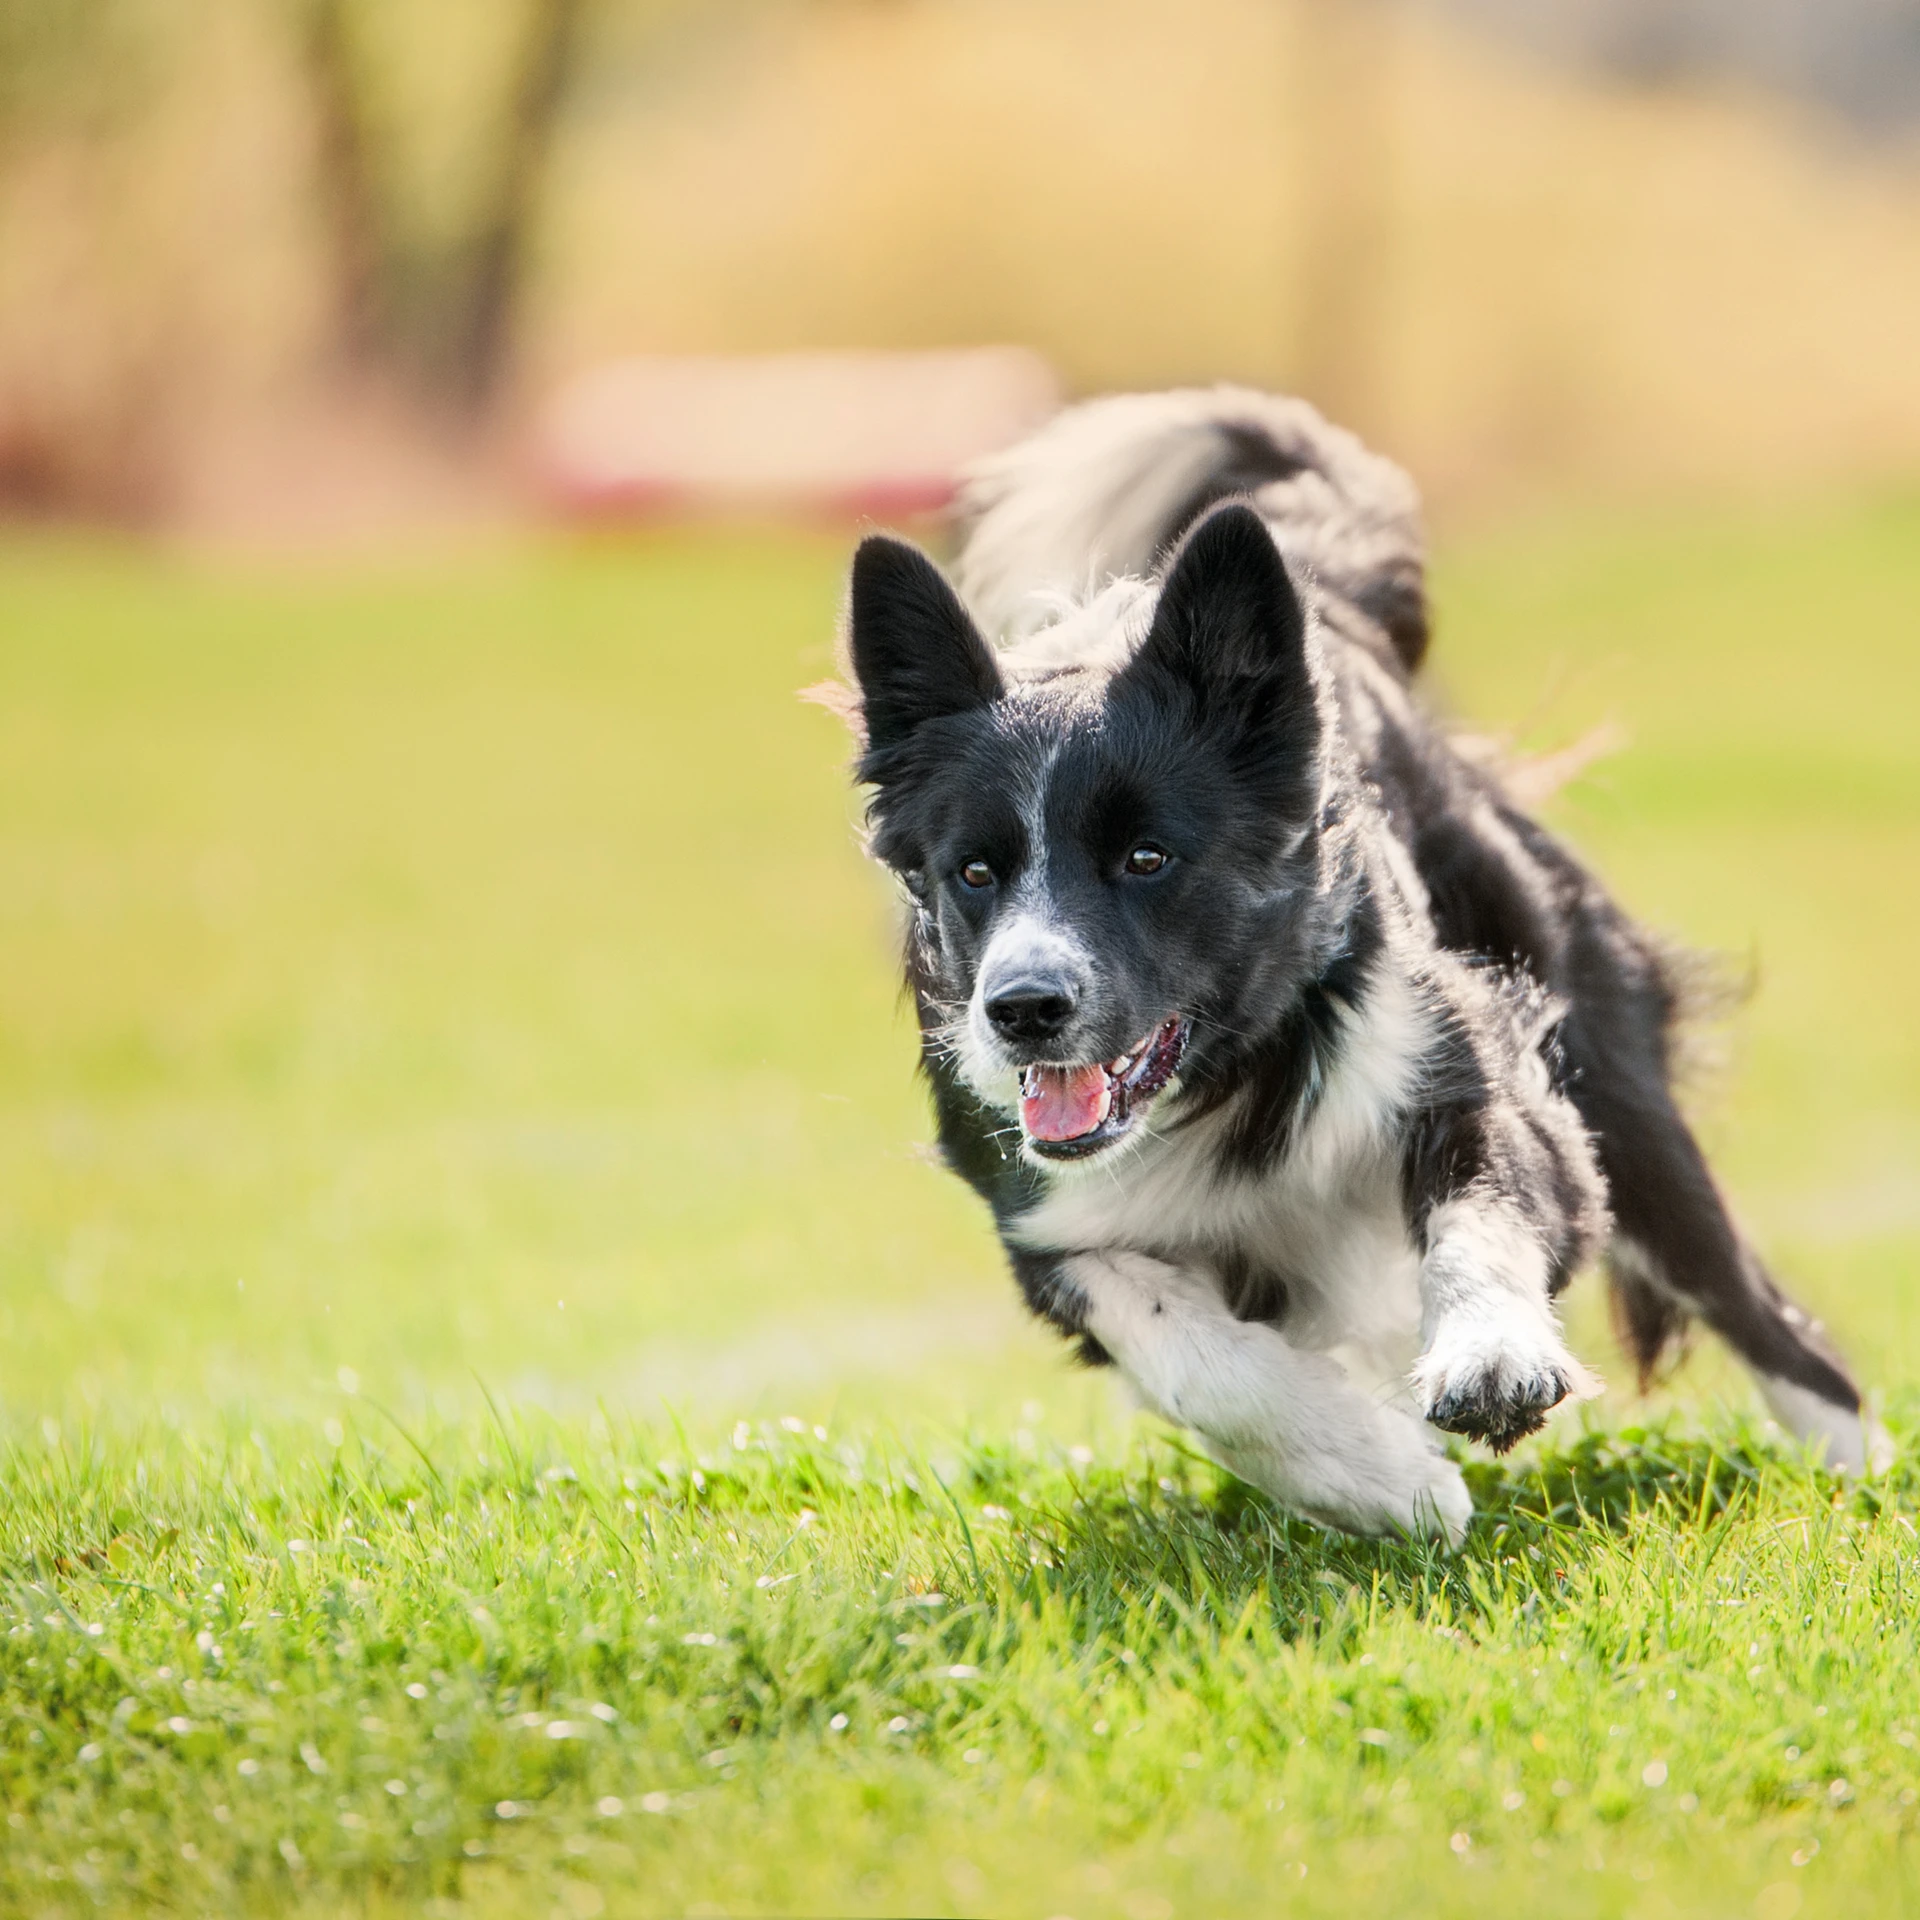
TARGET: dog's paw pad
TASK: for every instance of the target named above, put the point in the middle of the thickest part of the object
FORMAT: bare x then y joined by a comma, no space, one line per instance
1500,1413
1498,1396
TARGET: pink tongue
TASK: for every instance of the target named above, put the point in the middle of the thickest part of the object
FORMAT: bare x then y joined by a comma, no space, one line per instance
1062,1103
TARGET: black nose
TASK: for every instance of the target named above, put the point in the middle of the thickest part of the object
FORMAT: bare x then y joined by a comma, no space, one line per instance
1031,1010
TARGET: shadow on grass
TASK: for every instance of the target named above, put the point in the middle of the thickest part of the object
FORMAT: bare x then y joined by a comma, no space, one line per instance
1605,1479
1201,1540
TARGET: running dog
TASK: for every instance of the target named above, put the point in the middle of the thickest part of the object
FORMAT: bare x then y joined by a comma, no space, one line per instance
1300,1068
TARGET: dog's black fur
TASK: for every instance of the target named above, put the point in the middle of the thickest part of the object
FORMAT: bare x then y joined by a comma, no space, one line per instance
1363,962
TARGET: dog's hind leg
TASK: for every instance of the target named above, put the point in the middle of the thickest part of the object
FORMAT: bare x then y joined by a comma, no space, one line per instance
1677,1256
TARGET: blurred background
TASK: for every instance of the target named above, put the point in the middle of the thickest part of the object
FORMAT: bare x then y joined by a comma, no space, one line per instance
432,940
271,265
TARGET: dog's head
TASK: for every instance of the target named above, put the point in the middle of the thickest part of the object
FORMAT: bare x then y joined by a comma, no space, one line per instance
1112,874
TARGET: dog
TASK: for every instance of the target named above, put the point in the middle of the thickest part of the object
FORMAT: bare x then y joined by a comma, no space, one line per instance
1300,1068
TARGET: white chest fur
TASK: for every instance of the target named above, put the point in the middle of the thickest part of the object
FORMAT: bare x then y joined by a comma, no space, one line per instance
1328,1221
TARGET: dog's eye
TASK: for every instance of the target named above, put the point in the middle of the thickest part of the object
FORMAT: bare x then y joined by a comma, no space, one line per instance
976,873
1146,859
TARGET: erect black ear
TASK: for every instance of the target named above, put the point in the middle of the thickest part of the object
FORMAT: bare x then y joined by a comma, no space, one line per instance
916,652
1229,625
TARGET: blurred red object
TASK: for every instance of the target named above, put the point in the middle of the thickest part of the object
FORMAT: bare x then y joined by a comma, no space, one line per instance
880,434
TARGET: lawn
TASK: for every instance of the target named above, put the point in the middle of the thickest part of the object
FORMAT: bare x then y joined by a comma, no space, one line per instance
502,1417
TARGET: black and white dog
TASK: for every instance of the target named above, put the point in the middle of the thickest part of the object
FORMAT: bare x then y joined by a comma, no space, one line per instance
1300,1068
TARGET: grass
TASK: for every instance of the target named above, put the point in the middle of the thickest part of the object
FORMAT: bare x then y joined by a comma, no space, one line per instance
544,1668
500,1416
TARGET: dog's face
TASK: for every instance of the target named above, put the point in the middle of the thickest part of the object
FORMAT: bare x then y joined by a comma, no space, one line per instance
1108,873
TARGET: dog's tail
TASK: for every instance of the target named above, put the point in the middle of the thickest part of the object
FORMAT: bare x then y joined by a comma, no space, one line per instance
1106,489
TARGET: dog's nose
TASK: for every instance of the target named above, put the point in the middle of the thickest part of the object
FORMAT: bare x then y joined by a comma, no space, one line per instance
1031,1010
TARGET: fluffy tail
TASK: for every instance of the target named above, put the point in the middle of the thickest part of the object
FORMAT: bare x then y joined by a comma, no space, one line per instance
1106,489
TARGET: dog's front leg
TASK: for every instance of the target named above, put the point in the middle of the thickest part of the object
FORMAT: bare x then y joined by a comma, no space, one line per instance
1493,1361
1287,1421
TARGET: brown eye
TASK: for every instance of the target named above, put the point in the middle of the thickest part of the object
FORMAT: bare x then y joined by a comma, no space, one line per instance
976,873
1146,860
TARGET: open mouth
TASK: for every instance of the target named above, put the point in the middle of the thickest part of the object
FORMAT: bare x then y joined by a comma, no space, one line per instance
1070,1111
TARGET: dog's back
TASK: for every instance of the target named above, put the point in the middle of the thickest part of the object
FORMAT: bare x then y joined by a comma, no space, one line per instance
1105,491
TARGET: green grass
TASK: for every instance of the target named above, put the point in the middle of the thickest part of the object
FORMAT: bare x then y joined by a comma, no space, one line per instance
545,1667
488,1376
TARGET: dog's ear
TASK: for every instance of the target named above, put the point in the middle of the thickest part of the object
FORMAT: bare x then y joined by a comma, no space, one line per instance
916,652
1229,626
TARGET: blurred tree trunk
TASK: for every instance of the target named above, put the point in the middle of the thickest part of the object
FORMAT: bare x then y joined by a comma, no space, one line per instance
436,320
484,336
350,204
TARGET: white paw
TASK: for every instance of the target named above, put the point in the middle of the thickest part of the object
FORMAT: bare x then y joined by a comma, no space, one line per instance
1497,1379
1402,1484
1425,1500
1451,1504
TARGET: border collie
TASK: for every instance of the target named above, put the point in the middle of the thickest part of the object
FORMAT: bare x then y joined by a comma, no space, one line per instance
1300,1068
